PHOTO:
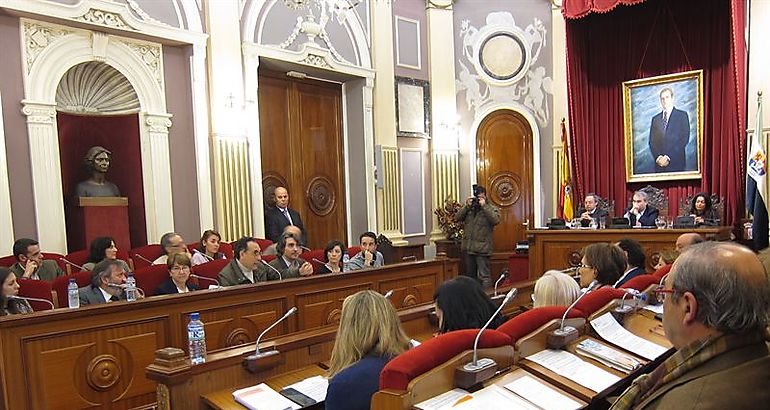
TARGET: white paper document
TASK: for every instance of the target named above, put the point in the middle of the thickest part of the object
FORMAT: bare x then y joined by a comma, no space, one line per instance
541,395
262,397
494,397
657,309
443,400
610,330
572,367
314,387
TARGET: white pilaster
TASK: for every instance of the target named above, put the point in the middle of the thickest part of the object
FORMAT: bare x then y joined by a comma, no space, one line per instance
158,201
201,133
251,111
6,218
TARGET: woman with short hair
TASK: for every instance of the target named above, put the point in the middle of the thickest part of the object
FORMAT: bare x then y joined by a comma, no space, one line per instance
369,336
102,248
333,257
179,265
603,263
555,288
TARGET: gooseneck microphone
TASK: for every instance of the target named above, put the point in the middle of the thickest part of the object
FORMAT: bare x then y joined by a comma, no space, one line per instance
476,364
199,277
559,338
503,275
388,294
72,264
27,298
570,329
280,277
204,254
144,259
257,355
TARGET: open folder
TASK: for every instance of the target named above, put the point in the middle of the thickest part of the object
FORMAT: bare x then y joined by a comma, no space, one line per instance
262,397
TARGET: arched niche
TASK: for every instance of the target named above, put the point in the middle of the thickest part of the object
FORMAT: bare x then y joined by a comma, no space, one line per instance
49,52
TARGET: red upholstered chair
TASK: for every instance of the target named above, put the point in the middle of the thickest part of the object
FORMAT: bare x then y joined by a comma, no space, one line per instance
315,253
268,258
641,282
56,257
143,254
7,261
662,271
529,321
79,258
224,247
353,250
149,278
597,299
59,285
209,270
401,370
36,289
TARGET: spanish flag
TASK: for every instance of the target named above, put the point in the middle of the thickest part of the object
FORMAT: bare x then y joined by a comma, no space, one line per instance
566,209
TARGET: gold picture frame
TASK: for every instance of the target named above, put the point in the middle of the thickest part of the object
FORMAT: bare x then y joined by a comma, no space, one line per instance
658,146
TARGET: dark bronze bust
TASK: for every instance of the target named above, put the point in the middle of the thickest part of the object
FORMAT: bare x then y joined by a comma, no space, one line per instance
97,162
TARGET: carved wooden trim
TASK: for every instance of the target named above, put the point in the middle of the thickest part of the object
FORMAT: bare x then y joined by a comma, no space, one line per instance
334,316
505,188
103,372
321,196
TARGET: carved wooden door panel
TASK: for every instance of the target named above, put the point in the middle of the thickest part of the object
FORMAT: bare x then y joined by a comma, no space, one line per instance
504,167
302,148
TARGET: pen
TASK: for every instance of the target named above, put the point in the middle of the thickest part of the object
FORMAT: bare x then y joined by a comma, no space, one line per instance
462,399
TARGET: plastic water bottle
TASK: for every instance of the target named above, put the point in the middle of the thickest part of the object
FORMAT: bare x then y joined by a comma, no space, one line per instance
130,287
345,261
196,339
73,297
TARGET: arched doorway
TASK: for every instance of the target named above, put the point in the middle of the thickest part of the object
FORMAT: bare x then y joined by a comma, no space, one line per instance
504,166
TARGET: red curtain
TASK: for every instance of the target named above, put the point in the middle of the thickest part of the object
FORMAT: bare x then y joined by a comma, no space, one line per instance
573,9
655,38
119,134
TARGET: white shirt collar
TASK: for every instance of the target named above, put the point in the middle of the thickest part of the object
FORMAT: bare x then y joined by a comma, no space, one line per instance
107,296
246,272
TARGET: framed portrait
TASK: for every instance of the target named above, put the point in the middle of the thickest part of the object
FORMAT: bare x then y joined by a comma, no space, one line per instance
663,124
412,108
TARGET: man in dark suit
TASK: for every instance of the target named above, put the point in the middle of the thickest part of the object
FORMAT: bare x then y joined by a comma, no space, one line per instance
635,260
106,279
640,213
592,210
246,266
30,263
279,217
715,302
288,261
669,135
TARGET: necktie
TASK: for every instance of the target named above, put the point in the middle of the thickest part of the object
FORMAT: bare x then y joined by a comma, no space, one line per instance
665,120
114,298
286,214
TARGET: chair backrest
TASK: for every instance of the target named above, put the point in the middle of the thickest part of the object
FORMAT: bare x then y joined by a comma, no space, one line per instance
310,255
36,289
657,198
662,271
641,282
606,204
147,253
56,257
353,250
403,368
268,258
209,270
263,243
59,285
597,299
78,258
7,261
529,321
224,247
149,278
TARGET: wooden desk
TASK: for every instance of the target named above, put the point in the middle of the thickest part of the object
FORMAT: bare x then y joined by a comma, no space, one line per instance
223,399
560,249
97,355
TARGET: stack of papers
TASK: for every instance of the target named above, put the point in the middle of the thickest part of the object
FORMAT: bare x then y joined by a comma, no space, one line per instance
262,397
313,387
572,367
541,395
607,356
490,397
610,330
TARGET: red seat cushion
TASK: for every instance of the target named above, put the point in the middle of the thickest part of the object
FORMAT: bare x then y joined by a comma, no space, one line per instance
56,257
7,261
597,299
268,258
401,370
353,250
149,278
529,321
79,258
59,285
148,254
310,255
209,270
36,289
641,282
662,271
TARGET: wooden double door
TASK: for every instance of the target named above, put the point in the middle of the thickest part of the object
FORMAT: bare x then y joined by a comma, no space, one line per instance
300,123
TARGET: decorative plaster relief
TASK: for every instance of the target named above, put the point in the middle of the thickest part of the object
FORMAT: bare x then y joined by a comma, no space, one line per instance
150,54
37,37
95,87
104,18
39,113
493,81
316,60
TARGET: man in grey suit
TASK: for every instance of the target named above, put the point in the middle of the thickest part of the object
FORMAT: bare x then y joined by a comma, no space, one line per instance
246,267
30,263
106,279
288,262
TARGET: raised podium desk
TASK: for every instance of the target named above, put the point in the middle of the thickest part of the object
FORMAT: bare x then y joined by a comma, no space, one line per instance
561,248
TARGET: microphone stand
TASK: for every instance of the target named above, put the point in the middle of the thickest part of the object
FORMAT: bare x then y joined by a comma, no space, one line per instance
280,277
479,370
503,275
72,264
252,362
559,338
204,254
144,259
199,277
28,298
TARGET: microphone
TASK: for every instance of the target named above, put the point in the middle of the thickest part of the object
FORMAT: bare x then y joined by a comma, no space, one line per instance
251,361
388,294
72,264
144,259
563,335
199,277
27,298
203,253
636,295
280,277
570,270
479,370
503,275
409,258
305,248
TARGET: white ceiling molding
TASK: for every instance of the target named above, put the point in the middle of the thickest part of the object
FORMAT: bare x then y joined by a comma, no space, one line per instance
96,88
115,17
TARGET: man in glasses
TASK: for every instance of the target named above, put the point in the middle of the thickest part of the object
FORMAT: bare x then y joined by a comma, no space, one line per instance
246,266
715,304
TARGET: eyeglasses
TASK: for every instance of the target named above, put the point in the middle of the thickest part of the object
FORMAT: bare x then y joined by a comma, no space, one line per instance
660,293
180,268
583,265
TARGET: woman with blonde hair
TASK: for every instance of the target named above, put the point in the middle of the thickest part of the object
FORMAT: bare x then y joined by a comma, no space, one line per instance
369,336
555,288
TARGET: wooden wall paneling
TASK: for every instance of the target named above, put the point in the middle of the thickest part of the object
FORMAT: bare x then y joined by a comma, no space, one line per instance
274,134
228,326
324,307
505,168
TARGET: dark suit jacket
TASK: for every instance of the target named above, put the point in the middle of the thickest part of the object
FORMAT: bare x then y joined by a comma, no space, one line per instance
736,379
670,141
48,270
279,264
648,217
275,221
90,295
169,288
597,215
232,275
634,273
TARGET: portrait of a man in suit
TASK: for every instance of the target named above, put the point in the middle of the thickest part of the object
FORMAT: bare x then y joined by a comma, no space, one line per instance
669,135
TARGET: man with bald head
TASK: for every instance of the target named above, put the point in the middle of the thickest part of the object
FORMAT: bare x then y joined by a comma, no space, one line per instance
715,311
687,239
277,218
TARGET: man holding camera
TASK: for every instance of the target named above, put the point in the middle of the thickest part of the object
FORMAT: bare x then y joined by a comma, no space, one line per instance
480,218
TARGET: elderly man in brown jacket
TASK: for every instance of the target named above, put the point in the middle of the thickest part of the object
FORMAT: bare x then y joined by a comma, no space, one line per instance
715,306
480,218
